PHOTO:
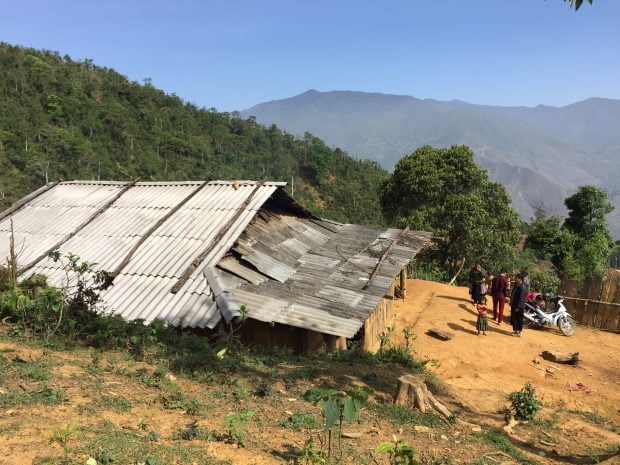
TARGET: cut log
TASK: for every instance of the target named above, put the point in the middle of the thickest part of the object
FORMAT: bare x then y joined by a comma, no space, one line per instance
414,393
558,357
441,334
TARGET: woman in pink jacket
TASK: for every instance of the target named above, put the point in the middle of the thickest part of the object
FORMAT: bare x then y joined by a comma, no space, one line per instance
499,292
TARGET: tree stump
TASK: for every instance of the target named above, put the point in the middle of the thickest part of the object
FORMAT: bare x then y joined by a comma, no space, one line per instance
413,392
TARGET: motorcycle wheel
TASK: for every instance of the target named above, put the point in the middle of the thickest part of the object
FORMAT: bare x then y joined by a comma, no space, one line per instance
567,325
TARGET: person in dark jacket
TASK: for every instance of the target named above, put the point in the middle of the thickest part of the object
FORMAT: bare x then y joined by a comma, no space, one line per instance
499,292
476,280
517,307
525,277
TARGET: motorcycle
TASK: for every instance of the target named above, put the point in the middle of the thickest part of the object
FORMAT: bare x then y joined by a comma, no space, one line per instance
536,316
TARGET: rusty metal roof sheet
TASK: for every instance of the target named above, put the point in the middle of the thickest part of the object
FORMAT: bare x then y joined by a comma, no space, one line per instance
320,281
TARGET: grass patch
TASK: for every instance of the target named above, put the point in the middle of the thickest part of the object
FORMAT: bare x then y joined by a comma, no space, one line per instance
121,446
598,420
191,432
400,415
116,403
46,396
550,422
36,371
9,429
299,421
175,399
498,439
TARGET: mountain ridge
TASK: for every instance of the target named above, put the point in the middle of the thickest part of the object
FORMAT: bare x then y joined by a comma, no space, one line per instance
551,149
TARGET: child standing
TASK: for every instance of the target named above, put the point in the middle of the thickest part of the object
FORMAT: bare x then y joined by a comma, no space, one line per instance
482,324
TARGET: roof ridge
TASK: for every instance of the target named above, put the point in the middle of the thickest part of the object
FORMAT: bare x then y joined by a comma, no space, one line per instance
246,182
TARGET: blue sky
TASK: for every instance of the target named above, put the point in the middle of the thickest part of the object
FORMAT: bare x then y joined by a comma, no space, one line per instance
234,54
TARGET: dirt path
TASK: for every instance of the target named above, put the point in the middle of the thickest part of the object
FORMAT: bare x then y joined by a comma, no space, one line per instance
482,370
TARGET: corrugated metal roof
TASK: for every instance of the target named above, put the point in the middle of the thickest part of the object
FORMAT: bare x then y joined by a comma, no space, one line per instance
285,267
319,281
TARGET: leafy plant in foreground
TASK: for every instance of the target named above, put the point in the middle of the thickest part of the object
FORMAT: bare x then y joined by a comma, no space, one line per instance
399,452
525,403
337,406
236,424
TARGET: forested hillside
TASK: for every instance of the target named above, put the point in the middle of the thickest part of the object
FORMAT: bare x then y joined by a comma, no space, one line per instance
68,119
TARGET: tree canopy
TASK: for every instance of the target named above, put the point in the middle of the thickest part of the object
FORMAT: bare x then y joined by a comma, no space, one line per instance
442,190
581,245
61,118
577,3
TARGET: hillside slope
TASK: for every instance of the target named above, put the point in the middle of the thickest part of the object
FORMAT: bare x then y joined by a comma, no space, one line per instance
72,119
61,404
540,154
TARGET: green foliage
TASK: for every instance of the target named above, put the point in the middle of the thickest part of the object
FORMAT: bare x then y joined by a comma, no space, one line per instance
577,3
45,396
399,452
311,455
385,336
299,421
498,439
338,406
70,119
192,431
544,281
236,425
116,403
37,370
525,403
582,245
62,435
445,192
175,399
111,445
42,310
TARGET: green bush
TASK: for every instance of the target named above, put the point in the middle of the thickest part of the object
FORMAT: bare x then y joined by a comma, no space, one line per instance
525,403
544,281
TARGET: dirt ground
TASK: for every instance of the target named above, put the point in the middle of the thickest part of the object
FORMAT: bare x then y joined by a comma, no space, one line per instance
483,369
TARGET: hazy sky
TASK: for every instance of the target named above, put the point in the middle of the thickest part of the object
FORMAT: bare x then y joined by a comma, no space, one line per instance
233,54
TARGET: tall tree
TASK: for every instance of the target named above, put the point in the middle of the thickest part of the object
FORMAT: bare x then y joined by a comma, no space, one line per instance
587,209
581,246
442,190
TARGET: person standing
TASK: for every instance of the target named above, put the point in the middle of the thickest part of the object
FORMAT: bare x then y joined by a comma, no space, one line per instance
476,279
517,307
525,277
482,323
499,292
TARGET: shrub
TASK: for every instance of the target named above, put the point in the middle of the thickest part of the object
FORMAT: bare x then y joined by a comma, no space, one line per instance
525,403
236,424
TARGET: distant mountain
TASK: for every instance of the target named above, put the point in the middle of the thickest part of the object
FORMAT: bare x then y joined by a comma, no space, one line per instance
540,154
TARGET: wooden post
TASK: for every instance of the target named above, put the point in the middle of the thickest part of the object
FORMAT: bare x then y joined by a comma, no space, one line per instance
403,282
